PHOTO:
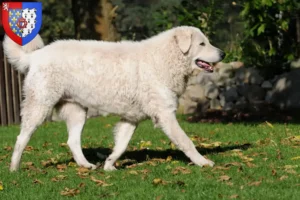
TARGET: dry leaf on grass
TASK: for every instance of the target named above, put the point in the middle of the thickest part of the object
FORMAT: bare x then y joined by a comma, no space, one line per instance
159,181
220,168
8,148
63,144
36,181
269,124
224,178
145,144
233,164
181,170
59,178
255,183
235,196
133,172
70,192
100,182
72,164
28,164
295,158
211,145
61,168
169,159
28,148
283,177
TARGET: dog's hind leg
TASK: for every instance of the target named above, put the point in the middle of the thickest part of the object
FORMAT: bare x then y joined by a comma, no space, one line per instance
33,114
123,133
75,116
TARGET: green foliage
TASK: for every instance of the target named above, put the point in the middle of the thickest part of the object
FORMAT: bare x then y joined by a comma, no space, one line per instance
58,20
205,15
270,33
216,18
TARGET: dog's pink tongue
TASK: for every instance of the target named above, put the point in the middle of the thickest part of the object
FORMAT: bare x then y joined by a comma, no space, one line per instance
206,66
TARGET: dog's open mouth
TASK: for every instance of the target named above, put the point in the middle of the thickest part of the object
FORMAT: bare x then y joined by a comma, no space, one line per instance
204,65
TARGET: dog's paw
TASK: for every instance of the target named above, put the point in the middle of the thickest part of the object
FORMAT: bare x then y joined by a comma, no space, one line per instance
109,168
208,163
89,166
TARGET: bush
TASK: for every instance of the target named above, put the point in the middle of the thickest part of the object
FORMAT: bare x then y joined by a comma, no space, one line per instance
270,39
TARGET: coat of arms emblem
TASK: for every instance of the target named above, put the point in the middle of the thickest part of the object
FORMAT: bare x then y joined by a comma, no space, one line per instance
22,20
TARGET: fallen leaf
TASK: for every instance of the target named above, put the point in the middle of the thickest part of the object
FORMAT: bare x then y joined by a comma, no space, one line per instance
235,196
233,164
46,163
8,148
182,170
59,178
283,177
274,172
133,172
81,185
72,164
290,166
169,158
61,168
295,158
173,146
211,145
251,165
28,164
36,181
70,192
290,171
82,170
145,144
255,183
28,148
220,168
224,178
296,138
157,181
269,124
1,186
100,182
63,144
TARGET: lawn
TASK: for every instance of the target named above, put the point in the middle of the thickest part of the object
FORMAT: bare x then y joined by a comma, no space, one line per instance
253,161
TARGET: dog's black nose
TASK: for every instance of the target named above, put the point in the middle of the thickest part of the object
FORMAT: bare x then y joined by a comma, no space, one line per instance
222,54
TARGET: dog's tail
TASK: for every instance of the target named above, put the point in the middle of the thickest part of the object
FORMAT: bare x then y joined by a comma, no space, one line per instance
19,56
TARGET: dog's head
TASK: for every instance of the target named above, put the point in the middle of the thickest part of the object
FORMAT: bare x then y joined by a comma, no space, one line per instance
195,45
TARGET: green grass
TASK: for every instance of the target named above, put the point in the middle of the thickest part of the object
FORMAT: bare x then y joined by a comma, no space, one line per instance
253,161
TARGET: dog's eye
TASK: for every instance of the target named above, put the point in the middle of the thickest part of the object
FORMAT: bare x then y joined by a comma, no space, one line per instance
202,44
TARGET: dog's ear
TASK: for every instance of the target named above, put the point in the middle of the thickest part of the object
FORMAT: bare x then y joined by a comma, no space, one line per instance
183,39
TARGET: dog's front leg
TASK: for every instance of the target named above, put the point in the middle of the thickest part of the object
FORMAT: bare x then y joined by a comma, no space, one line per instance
170,126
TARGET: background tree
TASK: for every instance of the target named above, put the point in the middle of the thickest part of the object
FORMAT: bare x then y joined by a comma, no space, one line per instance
272,34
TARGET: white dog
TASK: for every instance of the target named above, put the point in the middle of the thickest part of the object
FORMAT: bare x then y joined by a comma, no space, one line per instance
135,80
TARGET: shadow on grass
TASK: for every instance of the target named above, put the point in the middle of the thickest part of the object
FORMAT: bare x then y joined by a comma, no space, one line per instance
139,156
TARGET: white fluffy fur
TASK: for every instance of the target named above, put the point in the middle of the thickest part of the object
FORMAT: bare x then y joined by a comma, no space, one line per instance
134,80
